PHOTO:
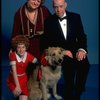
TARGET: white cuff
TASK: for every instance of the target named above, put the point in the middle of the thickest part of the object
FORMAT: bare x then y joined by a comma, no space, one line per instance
13,63
35,60
82,50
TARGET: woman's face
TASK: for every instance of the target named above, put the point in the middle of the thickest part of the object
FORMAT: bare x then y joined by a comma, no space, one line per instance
34,4
21,49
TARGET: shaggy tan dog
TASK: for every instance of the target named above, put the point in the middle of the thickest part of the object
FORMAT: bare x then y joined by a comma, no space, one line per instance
35,92
50,76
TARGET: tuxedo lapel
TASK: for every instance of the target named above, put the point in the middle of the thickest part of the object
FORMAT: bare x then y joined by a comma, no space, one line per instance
68,27
59,32
59,29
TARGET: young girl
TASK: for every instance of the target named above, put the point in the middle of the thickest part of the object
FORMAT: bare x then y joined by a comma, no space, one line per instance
19,59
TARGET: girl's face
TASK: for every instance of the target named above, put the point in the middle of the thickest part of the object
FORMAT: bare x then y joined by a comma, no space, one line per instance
34,4
21,49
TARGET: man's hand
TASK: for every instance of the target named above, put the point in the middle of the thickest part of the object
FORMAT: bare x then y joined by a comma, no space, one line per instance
80,55
68,53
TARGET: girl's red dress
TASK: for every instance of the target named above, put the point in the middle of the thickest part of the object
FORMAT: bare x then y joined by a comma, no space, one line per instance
21,68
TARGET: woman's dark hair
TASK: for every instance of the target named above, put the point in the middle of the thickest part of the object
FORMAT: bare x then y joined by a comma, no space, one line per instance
42,1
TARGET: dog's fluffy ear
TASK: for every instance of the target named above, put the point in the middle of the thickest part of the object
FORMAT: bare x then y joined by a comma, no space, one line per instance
62,49
47,53
47,50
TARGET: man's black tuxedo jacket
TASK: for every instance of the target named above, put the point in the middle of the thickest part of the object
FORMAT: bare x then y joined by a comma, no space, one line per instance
53,36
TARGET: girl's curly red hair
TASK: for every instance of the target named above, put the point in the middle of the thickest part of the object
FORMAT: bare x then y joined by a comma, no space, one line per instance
19,39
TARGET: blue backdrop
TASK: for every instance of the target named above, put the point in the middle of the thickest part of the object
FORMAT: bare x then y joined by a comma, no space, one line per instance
88,9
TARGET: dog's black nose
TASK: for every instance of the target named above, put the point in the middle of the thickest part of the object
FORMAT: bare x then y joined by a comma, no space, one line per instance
60,60
53,67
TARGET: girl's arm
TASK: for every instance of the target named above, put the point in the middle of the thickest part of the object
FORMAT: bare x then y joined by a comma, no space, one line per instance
17,90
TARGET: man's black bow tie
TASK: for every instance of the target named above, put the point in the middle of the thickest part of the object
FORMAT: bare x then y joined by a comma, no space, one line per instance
65,17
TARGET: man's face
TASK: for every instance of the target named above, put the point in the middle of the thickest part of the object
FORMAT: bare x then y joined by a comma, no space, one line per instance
59,7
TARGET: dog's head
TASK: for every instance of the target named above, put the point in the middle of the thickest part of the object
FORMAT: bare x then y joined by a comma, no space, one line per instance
54,55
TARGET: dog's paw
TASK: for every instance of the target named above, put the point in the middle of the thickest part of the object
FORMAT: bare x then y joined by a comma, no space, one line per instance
58,97
48,95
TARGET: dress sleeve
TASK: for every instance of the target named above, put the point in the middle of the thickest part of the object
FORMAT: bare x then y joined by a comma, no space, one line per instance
16,24
43,59
46,12
12,58
32,58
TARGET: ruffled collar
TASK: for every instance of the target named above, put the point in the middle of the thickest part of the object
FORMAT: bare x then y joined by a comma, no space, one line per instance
19,59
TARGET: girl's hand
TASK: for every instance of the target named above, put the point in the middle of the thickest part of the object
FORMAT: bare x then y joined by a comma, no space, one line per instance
17,91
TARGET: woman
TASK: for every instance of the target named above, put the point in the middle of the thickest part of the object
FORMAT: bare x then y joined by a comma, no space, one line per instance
29,21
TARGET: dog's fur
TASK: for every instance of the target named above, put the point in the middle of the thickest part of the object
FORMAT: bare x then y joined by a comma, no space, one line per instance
35,92
51,73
